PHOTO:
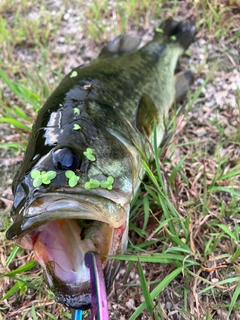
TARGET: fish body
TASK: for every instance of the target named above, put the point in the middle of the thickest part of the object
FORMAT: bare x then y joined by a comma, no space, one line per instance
82,165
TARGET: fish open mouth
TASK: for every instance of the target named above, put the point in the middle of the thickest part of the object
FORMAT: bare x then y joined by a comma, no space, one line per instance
61,244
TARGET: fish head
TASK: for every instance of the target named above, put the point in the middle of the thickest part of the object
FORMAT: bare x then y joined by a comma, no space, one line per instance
61,223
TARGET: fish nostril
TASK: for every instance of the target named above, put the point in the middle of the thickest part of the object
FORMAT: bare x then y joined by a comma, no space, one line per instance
19,196
65,159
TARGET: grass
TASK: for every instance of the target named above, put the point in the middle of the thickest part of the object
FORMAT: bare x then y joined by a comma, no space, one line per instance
211,16
184,224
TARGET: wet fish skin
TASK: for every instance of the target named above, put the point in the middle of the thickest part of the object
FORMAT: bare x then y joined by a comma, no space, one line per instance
107,106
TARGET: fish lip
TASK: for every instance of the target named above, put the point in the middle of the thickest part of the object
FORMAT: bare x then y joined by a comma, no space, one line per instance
76,295
82,302
47,207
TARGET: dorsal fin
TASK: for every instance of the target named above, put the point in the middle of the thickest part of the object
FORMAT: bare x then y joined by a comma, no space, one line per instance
145,115
183,81
120,45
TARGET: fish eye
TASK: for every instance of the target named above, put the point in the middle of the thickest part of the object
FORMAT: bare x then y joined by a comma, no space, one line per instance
65,159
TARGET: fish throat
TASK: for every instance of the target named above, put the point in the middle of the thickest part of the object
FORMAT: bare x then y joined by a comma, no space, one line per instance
60,246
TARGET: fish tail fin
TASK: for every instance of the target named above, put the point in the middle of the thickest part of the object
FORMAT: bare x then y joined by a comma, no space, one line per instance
174,31
183,81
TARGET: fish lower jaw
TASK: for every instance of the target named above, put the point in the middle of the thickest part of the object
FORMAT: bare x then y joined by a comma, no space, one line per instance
60,247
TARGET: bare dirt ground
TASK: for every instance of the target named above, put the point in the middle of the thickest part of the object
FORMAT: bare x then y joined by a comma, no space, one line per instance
217,106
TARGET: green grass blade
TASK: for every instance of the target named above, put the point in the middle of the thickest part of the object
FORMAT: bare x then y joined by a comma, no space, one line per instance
225,189
145,291
10,292
12,145
210,287
21,91
227,231
167,258
22,114
176,169
34,315
170,277
146,212
21,269
17,124
234,299
12,256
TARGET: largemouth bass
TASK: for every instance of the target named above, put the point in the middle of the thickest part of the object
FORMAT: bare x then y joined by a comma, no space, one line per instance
82,165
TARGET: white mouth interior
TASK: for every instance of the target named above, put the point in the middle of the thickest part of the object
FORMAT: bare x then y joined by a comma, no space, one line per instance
60,246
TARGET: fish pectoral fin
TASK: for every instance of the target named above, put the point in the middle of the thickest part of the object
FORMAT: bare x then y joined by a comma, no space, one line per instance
120,45
183,81
145,115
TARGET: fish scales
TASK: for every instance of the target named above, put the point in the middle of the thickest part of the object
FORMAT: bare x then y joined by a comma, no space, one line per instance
82,165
